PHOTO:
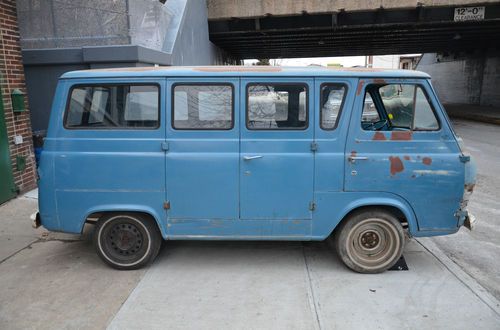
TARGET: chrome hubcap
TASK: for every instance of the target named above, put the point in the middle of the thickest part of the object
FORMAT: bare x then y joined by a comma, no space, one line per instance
369,239
373,243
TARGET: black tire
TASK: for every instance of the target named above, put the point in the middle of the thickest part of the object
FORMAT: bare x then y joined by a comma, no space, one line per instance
127,240
369,241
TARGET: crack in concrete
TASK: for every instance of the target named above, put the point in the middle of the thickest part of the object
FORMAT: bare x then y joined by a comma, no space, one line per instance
312,299
21,249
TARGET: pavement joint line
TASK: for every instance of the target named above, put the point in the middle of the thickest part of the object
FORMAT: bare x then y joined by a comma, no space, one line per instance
477,289
310,292
40,240
113,317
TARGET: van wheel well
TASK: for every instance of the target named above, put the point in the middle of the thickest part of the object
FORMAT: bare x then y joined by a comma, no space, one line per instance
94,217
387,208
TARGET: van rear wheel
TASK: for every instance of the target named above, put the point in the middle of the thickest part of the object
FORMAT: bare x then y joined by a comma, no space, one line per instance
127,240
370,241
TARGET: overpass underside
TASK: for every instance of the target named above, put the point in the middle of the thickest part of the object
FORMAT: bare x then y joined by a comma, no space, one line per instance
345,33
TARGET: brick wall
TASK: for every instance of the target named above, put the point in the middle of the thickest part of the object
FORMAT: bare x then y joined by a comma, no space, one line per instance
12,77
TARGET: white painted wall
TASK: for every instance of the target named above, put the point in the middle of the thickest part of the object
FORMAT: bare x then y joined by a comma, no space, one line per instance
386,61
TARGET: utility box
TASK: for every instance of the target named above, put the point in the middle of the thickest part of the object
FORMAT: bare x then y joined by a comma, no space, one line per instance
17,98
20,163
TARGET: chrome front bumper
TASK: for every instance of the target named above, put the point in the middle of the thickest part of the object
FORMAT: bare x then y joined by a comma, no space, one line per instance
35,220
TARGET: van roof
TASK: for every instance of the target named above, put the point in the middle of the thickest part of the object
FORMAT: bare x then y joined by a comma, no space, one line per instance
228,71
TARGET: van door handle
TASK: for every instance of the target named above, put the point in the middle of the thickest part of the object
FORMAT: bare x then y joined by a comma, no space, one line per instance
353,159
251,157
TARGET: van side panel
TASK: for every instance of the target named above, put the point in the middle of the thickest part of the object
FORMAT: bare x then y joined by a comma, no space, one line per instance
96,168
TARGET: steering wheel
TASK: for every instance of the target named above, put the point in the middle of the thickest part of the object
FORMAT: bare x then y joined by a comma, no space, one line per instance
377,125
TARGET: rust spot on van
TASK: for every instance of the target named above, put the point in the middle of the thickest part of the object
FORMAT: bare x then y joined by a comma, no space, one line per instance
427,160
396,165
238,68
354,153
360,87
379,81
379,136
401,135
357,69
407,157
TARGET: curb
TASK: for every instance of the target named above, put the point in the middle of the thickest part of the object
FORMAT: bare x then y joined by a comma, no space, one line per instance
476,288
476,118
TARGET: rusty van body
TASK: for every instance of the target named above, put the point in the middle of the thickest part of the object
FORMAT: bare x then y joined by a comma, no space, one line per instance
252,153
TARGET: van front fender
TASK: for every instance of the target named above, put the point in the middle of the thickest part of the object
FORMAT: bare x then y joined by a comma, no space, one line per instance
333,207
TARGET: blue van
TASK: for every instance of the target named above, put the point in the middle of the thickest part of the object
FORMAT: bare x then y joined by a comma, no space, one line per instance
364,158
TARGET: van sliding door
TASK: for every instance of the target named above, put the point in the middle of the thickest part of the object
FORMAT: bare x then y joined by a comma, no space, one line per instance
277,162
202,161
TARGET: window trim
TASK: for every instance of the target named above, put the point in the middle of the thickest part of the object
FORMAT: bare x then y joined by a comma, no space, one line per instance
363,106
172,102
247,96
419,84
123,128
346,90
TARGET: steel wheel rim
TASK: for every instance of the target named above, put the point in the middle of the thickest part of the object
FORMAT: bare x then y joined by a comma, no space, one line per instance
373,243
125,241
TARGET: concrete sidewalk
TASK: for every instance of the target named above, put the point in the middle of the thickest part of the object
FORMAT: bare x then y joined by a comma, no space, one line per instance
52,281
278,285
15,229
484,114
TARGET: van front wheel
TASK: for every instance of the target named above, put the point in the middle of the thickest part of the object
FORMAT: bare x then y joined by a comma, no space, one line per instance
126,240
370,241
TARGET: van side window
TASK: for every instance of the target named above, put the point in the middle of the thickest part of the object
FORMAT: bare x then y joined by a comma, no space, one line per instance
276,106
424,118
332,100
113,106
202,107
400,107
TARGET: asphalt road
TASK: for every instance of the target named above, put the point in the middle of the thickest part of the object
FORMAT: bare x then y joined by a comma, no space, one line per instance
478,252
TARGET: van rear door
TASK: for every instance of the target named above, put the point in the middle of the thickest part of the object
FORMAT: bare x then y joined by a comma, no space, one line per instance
106,150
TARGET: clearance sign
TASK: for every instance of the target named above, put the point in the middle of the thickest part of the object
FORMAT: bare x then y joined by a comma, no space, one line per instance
469,14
